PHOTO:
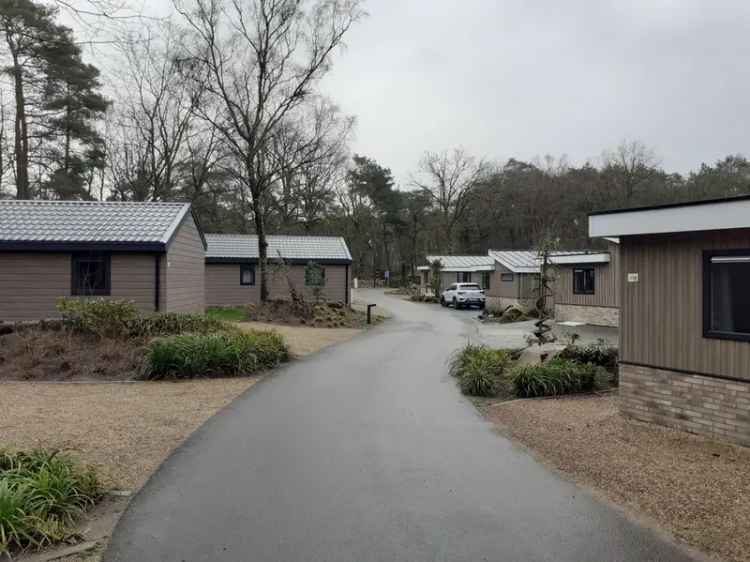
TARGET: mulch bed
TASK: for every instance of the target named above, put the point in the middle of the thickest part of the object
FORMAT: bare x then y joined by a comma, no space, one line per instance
46,355
696,488
318,315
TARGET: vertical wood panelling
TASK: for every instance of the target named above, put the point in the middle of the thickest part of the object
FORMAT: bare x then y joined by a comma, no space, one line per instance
606,283
186,256
662,314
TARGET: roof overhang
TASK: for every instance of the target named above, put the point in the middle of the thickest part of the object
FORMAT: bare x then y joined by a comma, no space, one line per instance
718,214
273,261
63,247
571,259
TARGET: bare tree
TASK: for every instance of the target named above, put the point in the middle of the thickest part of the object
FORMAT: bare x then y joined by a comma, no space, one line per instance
631,164
448,178
264,59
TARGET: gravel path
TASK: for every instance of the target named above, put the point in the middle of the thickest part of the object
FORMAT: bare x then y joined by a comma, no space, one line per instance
697,488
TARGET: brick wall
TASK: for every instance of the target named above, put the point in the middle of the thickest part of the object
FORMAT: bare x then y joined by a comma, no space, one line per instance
594,315
703,405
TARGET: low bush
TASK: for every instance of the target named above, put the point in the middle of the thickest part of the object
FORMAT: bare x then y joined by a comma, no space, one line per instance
214,355
42,493
106,318
480,369
175,323
120,319
228,314
600,353
558,376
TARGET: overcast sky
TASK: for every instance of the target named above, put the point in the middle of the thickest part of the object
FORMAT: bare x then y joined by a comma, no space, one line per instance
524,78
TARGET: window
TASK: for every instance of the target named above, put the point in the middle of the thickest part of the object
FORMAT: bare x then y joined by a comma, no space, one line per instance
506,277
486,279
463,277
91,275
584,281
726,299
247,274
315,275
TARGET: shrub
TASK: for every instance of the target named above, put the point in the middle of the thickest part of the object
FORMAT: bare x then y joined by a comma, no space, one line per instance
228,314
479,369
214,355
558,376
41,495
175,323
105,318
600,353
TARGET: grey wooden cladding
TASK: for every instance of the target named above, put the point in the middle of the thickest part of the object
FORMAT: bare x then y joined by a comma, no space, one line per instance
662,314
223,284
185,278
607,283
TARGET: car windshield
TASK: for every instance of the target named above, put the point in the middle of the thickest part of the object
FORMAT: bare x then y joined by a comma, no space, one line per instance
470,287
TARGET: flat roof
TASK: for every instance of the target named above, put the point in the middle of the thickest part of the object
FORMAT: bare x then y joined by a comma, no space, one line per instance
585,257
692,216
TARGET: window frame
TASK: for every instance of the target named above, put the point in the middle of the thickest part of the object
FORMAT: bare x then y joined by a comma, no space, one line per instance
323,276
461,277
245,267
75,278
507,277
486,280
584,269
708,332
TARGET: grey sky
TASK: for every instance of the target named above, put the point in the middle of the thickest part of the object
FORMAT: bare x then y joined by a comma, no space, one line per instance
525,78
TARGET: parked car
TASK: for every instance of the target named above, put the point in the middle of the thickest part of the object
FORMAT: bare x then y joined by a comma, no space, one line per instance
463,294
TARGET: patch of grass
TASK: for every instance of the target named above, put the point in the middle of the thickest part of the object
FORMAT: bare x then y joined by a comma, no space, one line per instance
214,355
42,493
175,323
227,314
480,369
558,376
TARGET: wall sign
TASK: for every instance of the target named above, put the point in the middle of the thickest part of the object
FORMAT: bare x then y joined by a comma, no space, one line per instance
632,278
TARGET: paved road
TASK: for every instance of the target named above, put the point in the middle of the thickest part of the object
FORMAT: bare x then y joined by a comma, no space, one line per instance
367,452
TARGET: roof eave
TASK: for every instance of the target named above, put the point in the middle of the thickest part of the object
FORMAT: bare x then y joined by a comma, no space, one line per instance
58,246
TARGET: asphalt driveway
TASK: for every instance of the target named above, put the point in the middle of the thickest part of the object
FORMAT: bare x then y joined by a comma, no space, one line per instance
367,452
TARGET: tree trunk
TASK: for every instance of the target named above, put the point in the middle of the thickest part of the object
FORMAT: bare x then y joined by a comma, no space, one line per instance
260,230
22,139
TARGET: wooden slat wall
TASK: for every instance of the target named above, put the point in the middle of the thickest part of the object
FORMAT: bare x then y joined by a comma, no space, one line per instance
607,283
185,290
500,288
661,318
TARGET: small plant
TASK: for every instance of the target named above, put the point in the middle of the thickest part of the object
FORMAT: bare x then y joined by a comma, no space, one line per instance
174,323
228,314
42,493
480,369
558,376
214,355
600,353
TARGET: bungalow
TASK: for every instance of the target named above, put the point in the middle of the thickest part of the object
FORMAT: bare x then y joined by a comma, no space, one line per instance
685,314
587,286
151,253
315,266
515,279
459,269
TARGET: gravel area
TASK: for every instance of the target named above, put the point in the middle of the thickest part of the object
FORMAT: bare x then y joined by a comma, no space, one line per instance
124,430
304,340
696,488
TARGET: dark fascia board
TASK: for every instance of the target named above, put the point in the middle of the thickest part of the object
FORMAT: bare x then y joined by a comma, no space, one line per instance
671,205
304,261
42,246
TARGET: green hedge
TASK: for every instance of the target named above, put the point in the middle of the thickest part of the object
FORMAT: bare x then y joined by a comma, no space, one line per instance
214,355
600,353
42,493
558,376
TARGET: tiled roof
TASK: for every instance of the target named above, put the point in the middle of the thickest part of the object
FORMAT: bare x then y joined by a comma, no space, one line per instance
518,261
40,223
464,263
245,246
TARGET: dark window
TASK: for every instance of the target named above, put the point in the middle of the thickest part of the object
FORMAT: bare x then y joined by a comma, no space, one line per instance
464,277
726,298
91,275
584,281
506,277
247,274
486,280
315,275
